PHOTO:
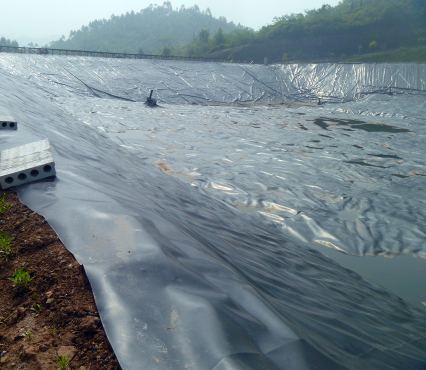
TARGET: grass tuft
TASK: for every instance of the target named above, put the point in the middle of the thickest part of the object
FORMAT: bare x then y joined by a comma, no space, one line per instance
63,363
21,278
5,245
4,205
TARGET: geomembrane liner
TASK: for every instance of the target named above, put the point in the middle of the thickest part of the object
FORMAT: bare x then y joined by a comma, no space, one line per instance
204,224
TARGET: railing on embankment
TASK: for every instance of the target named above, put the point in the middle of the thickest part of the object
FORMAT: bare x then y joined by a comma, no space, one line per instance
105,54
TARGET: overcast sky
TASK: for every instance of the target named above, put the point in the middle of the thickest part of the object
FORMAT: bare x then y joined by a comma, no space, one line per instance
45,20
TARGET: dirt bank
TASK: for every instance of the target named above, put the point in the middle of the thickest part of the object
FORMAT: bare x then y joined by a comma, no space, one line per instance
48,317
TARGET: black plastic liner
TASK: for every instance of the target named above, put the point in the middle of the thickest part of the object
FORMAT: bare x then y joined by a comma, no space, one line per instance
201,224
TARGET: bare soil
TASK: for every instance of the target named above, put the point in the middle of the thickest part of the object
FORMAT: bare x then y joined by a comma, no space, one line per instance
56,314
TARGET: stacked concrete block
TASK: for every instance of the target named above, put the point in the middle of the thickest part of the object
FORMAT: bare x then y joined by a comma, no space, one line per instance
27,163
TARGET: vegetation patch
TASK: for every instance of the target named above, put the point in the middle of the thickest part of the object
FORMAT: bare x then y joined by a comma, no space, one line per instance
402,55
330,33
63,363
6,42
21,278
5,245
154,30
4,204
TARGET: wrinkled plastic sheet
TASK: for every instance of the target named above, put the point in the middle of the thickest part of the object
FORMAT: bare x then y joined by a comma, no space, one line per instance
201,224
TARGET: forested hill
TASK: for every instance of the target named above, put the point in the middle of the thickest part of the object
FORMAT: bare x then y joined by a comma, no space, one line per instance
155,29
352,28
6,42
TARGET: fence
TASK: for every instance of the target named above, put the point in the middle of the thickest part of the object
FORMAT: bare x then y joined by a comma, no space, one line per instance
105,54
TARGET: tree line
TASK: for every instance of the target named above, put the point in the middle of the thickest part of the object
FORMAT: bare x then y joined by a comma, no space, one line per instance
350,29
353,27
6,42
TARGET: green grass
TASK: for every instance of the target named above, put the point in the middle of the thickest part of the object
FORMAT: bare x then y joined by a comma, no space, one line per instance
63,363
27,334
403,55
21,278
5,245
4,205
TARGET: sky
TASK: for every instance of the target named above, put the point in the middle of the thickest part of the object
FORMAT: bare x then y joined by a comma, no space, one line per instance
42,21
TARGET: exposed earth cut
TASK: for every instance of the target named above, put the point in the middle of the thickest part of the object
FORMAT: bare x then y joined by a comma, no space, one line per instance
48,319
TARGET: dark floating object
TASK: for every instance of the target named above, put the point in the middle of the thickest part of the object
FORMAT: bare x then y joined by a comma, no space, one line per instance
320,102
150,101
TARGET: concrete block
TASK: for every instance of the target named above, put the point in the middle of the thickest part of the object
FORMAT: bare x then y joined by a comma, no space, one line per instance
8,123
26,163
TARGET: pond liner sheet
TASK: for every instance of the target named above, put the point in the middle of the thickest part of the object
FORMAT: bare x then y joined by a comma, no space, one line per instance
183,280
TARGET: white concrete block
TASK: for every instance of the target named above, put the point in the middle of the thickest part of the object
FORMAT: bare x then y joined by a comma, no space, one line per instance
26,163
8,123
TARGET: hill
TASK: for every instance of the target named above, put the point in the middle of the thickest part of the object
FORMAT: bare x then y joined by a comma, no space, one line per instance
352,28
152,30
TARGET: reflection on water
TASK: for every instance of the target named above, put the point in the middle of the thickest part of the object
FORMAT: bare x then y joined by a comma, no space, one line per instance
401,275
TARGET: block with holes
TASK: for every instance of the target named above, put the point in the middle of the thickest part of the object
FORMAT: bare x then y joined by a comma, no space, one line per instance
8,123
26,163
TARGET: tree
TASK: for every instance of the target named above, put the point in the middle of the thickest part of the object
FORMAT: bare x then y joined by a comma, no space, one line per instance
219,38
6,42
168,6
166,52
203,36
